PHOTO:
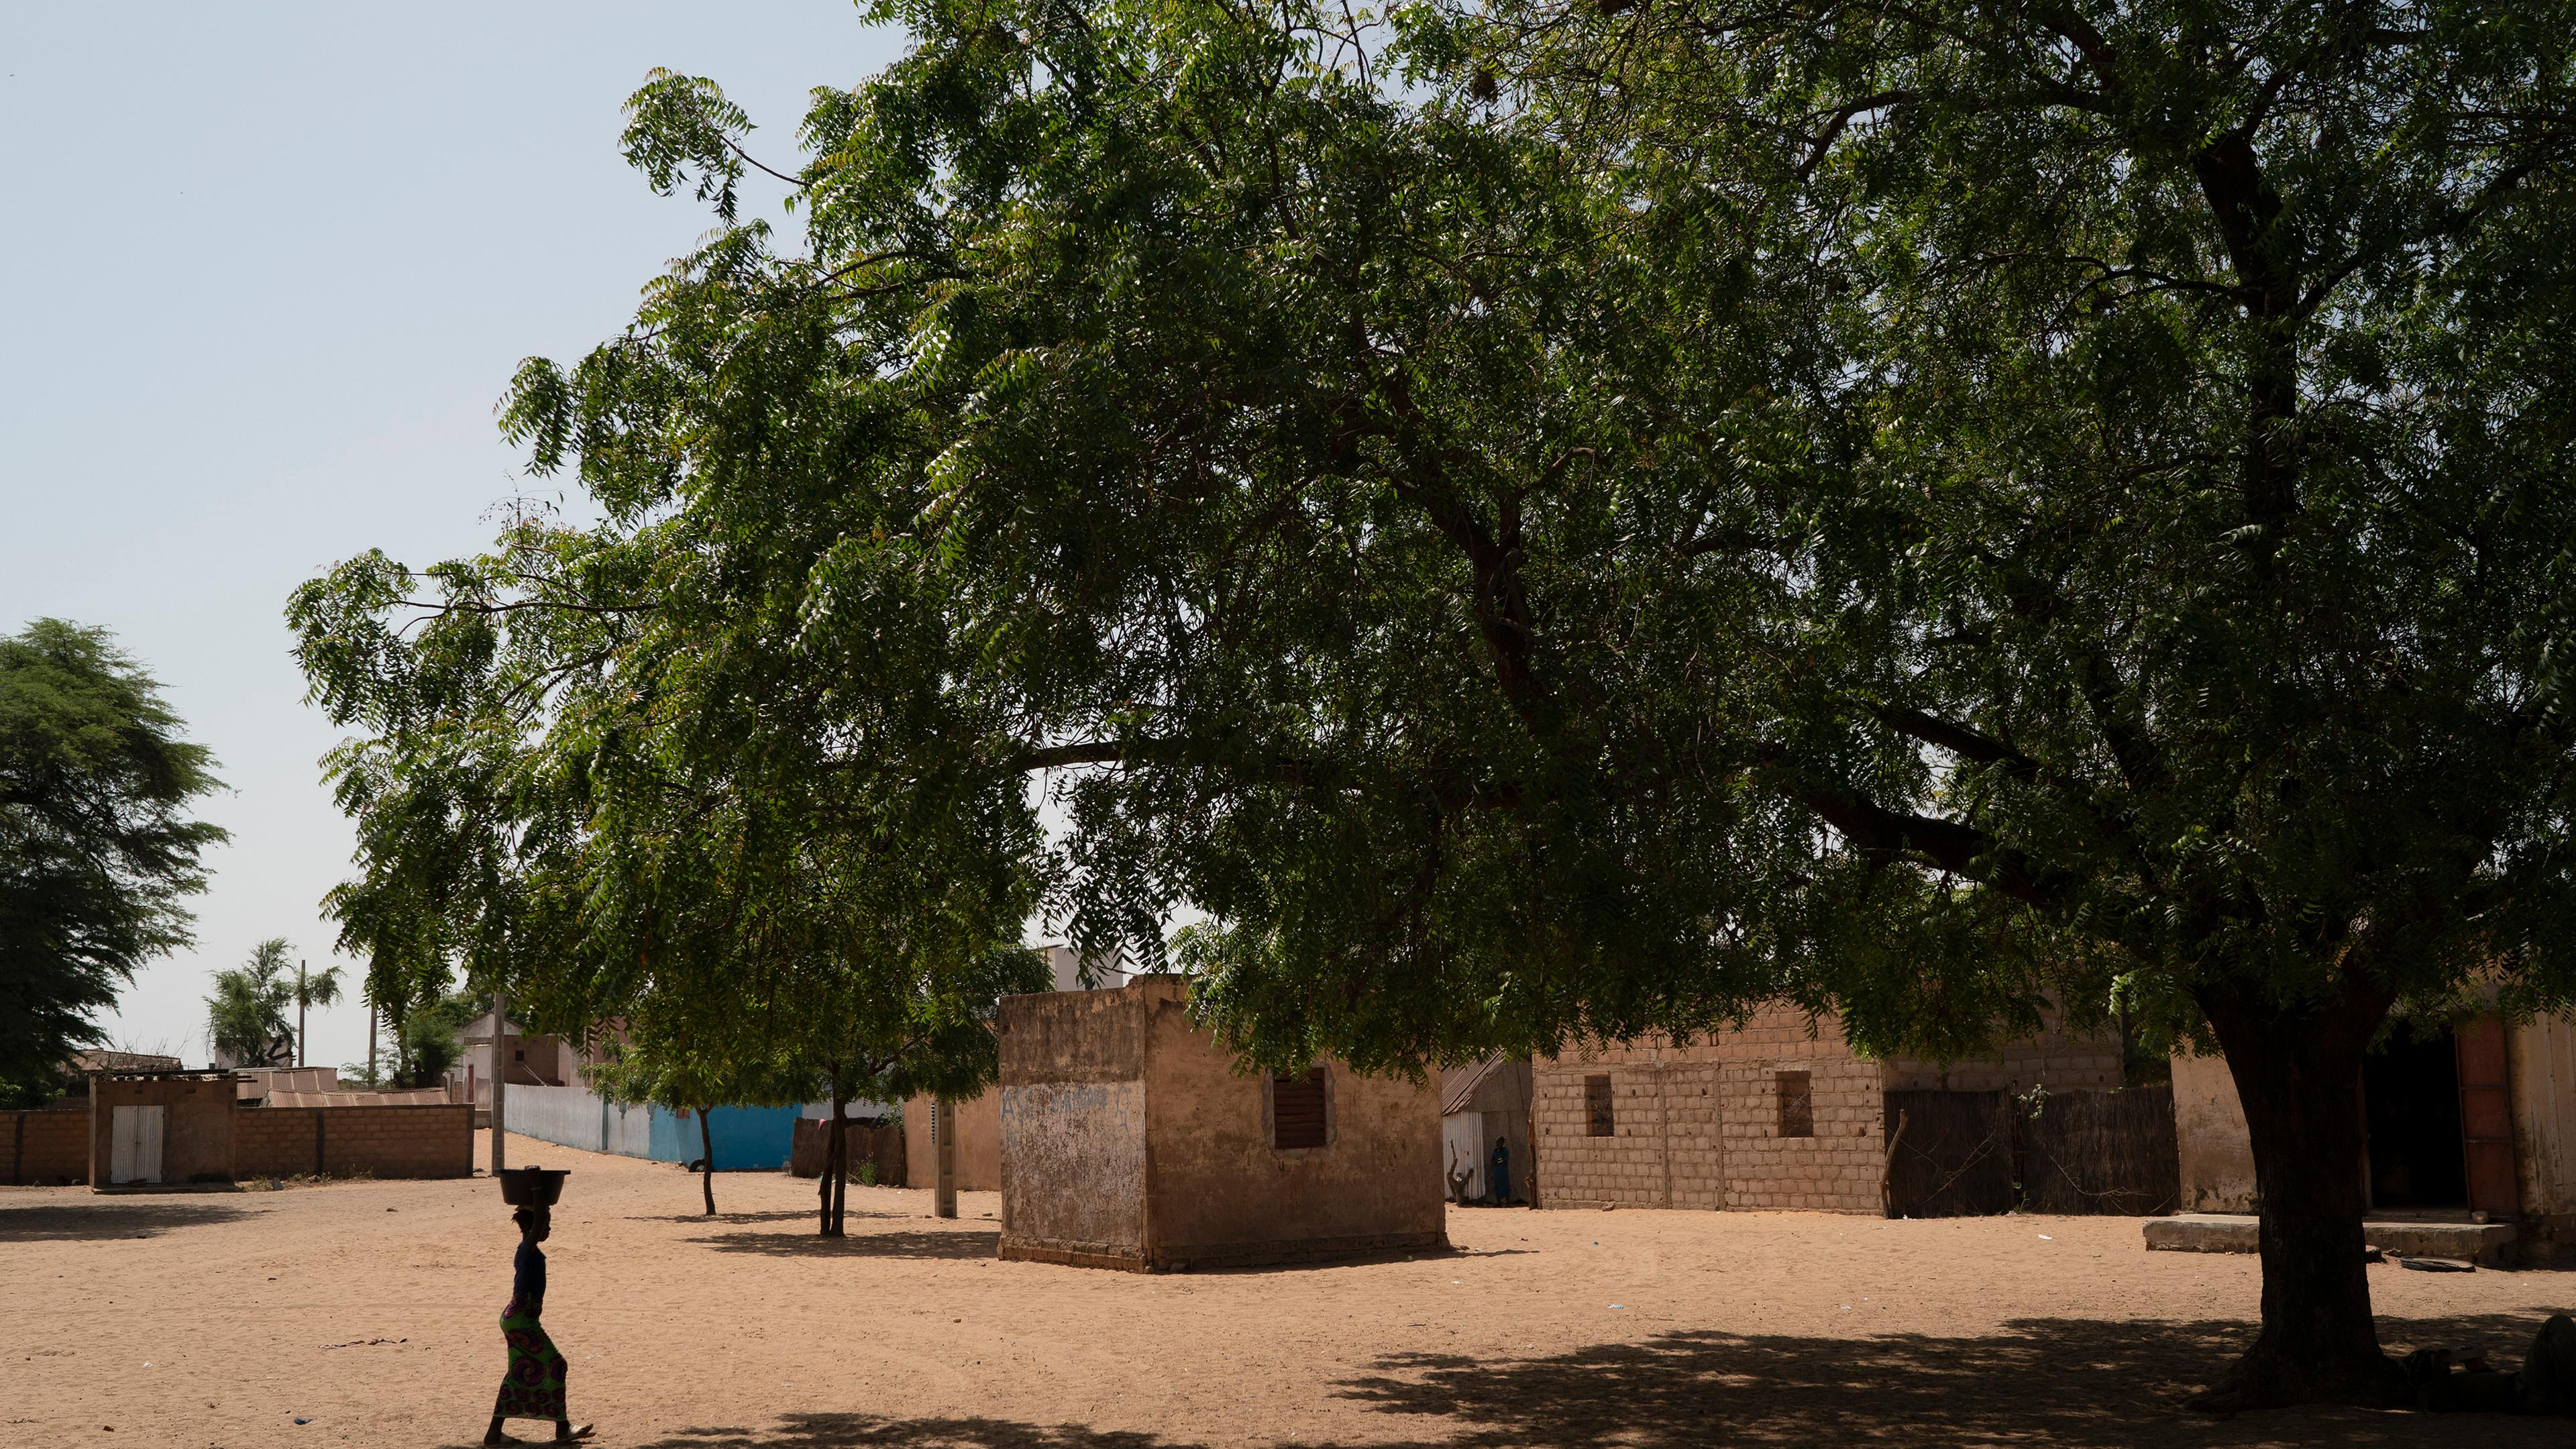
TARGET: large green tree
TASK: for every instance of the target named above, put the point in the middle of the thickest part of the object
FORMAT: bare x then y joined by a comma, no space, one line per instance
1929,514
97,847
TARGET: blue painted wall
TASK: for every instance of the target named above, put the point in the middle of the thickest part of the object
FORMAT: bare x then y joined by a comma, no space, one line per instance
746,1138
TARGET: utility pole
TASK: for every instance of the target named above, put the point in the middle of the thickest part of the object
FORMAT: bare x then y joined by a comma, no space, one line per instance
299,1013
943,1137
500,1072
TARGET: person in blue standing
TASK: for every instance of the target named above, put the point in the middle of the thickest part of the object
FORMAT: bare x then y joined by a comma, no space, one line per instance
1499,1168
533,1387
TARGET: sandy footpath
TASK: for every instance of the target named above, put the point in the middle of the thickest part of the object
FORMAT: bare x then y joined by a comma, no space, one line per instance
369,1308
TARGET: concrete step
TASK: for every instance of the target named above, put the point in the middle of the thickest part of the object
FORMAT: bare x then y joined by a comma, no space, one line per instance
2489,1245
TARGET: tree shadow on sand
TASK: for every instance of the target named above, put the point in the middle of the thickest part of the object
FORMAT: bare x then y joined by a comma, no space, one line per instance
2080,1383
2074,1383
111,1218
917,1244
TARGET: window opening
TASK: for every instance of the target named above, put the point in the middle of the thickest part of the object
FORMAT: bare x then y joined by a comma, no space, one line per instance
1297,1110
1797,1104
1603,1118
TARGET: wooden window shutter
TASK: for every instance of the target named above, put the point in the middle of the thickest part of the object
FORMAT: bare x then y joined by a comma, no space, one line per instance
2486,1116
1602,1118
1297,1111
1797,1103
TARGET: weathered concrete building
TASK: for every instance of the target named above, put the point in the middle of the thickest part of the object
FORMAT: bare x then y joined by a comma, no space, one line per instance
1780,1114
2470,1123
1128,1140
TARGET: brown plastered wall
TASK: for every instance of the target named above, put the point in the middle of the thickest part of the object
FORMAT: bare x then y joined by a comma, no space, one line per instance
979,1143
44,1146
1072,1125
423,1141
196,1132
1218,1191
2211,1141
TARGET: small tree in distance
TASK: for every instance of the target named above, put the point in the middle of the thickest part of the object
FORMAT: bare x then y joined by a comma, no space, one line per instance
246,1018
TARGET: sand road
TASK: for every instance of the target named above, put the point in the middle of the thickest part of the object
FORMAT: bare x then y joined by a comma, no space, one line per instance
369,1308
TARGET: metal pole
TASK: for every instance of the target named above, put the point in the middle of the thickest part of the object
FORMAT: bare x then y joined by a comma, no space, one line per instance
943,1136
299,1014
500,1072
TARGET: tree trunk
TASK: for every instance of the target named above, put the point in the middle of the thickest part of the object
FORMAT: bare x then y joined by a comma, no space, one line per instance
943,1193
2298,1074
840,1164
823,1188
707,1163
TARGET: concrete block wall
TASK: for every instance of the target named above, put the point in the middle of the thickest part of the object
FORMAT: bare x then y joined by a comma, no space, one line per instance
2056,1059
44,1147
273,1141
423,1141
1578,1169
1698,1125
1835,1170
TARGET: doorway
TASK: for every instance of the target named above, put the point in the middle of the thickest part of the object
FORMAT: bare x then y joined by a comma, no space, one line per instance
2410,1091
134,1149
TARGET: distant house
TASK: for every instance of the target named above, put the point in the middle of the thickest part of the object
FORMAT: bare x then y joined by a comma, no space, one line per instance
1779,1114
540,1060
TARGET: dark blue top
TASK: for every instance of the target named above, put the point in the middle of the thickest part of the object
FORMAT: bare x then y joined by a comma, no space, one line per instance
530,1282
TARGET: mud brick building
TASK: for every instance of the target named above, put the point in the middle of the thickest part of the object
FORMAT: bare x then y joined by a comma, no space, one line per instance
1780,1114
1128,1140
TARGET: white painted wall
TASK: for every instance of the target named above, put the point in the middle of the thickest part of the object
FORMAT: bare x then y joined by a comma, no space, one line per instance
1463,1144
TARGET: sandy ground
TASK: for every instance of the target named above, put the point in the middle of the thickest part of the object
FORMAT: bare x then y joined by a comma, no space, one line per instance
369,1308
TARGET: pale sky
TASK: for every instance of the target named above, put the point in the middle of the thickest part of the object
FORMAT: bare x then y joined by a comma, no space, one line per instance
264,270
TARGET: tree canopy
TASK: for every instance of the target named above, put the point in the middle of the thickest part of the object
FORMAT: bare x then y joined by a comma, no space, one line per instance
97,848
1553,523
250,1019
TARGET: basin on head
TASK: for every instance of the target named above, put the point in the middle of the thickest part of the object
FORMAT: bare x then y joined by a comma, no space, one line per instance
532,1186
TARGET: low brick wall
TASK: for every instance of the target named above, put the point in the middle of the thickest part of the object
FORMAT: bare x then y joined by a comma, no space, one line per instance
44,1146
435,1140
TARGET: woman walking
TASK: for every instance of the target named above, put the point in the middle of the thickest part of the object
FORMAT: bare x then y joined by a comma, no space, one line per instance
534,1386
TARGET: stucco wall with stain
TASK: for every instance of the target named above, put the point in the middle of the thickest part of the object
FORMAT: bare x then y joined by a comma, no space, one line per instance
1072,1122
2210,1136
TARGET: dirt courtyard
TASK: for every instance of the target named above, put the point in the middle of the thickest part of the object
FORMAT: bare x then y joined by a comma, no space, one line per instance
369,1308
